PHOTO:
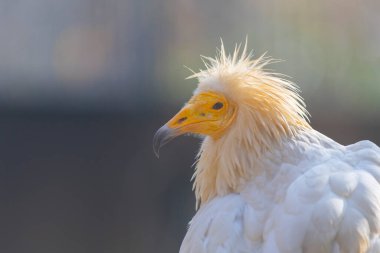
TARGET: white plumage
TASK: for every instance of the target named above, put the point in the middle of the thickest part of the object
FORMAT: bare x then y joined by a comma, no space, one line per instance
313,196
265,180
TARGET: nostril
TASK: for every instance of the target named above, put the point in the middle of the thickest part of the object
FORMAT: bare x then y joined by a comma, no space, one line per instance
181,120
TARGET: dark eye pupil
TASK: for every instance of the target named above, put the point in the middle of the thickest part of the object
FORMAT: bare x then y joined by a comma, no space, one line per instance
217,106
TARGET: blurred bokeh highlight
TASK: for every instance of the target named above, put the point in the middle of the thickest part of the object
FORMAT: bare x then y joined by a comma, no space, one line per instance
84,84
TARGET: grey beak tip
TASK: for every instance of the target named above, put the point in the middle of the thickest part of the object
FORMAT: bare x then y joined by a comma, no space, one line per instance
156,151
156,144
161,137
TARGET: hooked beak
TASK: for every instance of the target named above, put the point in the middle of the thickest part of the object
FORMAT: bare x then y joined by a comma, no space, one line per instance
163,136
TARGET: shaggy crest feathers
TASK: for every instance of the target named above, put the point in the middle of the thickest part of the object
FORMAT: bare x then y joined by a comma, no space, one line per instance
269,111
241,67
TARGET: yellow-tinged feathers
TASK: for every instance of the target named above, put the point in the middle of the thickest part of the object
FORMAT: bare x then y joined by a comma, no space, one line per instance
262,108
268,109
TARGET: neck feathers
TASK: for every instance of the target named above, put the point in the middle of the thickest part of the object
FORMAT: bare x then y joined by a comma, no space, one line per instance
269,112
226,164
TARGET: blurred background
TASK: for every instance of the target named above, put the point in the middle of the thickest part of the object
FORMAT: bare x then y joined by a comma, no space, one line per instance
84,84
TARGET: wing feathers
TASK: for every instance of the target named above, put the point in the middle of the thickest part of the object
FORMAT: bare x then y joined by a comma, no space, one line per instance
329,202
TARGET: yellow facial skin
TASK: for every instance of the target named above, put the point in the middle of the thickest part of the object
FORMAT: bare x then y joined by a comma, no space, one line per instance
207,113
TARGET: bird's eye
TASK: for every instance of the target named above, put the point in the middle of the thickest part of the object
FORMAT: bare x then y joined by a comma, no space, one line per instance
217,106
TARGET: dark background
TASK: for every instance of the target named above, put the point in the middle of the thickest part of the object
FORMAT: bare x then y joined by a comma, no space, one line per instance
85,84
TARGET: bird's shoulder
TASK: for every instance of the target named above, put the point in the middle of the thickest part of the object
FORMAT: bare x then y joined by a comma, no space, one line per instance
324,198
333,206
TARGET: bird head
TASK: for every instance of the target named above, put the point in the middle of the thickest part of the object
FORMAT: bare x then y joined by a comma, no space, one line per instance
208,113
237,96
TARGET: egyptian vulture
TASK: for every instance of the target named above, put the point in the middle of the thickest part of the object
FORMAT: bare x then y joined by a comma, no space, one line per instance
265,181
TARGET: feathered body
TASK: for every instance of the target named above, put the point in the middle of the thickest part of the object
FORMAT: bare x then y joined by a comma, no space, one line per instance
308,195
272,184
